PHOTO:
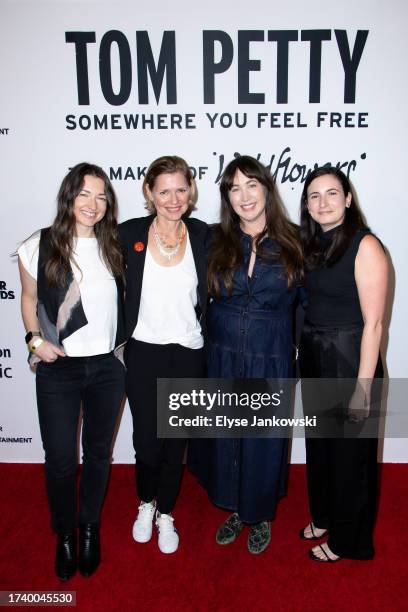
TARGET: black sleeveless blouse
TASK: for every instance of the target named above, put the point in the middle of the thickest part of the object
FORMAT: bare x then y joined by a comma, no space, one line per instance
332,296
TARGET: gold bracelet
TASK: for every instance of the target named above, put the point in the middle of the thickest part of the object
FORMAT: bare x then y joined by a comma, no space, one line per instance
36,344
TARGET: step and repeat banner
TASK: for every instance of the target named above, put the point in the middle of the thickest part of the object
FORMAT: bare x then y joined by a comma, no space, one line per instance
121,83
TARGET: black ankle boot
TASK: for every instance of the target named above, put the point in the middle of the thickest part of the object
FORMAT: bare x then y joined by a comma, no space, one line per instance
66,555
89,549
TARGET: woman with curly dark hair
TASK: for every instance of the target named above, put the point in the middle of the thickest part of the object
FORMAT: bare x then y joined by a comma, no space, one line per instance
255,265
72,288
346,286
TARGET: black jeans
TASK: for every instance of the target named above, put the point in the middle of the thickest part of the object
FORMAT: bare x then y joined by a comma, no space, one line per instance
159,462
98,383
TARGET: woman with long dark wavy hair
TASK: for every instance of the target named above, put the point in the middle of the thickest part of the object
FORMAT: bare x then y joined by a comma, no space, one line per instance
346,286
255,265
72,288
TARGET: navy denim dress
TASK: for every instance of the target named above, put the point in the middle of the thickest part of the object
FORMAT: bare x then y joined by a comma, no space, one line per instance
249,336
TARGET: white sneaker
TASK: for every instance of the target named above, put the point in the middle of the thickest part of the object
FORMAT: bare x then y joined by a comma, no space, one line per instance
143,525
168,536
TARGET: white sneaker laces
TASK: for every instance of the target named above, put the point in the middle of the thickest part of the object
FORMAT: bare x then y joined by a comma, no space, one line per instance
165,523
146,507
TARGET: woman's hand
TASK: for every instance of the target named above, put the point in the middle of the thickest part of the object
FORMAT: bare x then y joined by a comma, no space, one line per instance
359,405
47,351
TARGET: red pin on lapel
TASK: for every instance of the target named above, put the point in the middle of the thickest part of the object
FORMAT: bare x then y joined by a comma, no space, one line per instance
138,246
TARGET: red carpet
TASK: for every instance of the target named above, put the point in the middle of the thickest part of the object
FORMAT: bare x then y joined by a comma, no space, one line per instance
203,576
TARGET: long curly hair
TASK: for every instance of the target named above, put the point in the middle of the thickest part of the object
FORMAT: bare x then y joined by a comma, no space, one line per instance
62,231
226,253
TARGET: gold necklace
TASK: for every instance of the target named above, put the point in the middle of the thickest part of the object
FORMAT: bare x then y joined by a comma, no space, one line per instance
168,250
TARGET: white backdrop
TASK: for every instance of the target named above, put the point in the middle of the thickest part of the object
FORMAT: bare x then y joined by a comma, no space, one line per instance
76,76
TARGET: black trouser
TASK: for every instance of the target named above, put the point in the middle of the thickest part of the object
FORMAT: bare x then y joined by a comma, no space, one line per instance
97,382
341,472
159,464
342,486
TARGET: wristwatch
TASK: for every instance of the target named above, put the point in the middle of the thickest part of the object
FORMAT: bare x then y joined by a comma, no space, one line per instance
29,335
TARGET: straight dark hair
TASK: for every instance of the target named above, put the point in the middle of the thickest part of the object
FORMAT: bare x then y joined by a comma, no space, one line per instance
311,232
62,231
226,252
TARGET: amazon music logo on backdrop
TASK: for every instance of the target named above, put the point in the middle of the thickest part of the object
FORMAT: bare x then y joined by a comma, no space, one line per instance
6,371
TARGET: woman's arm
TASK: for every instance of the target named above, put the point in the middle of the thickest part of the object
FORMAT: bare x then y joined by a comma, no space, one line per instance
46,351
371,274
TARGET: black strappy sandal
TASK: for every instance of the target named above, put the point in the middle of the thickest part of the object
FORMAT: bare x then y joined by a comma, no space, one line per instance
314,536
314,557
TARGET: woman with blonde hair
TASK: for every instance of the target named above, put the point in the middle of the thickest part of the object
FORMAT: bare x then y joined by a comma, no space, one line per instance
165,306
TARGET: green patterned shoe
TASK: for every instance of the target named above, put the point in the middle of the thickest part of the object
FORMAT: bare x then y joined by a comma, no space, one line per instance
229,530
259,537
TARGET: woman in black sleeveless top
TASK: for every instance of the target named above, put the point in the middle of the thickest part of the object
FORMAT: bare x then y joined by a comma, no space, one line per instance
346,285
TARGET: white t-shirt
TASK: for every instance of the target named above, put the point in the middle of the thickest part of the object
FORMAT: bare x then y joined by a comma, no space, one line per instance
169,295
98,295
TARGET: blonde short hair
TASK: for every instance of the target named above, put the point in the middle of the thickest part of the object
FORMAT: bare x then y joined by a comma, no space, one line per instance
168,164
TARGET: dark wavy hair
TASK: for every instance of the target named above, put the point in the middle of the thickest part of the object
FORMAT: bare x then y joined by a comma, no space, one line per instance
62,231
226,252
311,232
